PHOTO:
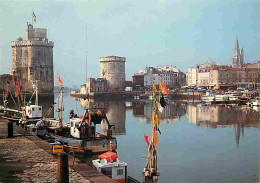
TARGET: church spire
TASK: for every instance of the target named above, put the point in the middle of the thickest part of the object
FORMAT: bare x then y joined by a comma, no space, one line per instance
236,55
236,45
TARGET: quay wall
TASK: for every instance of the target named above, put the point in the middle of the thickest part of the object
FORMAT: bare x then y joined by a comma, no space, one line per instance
39,164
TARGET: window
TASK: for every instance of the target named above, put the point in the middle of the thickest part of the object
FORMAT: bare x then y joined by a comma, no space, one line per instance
107,171
120,172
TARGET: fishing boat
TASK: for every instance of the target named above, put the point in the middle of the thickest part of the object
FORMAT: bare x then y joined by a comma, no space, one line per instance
79,134
12,114
209,97
109,164
31,113
221,98
24,113
256,102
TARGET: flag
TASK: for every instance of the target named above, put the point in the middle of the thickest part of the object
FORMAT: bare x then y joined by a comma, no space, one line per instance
154,89
162,101
160,85
155,140
156,118
160,108
146,140
59,79
17,89
7,90
21,96
20,83
34,17
164,89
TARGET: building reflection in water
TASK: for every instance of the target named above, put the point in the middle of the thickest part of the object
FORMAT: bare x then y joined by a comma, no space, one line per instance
212,117
116,114
171,113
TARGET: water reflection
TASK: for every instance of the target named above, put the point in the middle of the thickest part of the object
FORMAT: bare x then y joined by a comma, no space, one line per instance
116,114
171,113
183,144
211,117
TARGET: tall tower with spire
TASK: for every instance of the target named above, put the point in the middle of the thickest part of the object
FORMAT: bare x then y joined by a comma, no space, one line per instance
236,55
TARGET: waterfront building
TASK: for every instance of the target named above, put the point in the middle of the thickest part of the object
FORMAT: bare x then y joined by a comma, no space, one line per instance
168,74
83,89
96,85
212,76
112,69
32,59
112,76
138,82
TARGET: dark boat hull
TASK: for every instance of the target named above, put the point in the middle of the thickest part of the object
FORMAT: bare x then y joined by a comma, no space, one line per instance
86,146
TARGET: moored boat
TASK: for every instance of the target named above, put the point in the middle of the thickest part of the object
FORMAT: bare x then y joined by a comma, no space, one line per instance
109,164
256,102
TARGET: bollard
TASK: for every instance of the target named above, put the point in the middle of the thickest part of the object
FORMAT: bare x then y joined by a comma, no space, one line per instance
63,168
10,129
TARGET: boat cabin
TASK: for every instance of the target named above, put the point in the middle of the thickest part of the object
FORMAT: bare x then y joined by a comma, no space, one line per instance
74,127
33,111
82,129
109,165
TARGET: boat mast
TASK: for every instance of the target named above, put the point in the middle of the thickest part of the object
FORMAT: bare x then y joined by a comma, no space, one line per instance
60,107
150,172
60,97
36,93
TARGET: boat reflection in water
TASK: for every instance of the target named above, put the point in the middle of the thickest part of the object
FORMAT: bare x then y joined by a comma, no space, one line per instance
116,114
212,117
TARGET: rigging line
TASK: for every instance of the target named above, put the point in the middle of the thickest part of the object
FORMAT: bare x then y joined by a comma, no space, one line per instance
32,96
14,101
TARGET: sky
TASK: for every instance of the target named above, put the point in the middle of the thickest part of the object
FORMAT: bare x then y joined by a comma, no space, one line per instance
181,33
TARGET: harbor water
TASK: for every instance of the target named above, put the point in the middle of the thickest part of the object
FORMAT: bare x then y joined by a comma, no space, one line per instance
198,143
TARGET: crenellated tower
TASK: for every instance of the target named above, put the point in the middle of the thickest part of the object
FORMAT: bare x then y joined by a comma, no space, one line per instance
32,60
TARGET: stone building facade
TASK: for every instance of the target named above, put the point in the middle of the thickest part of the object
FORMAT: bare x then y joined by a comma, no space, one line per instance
96,85
210,75
167,74
112,69
221,76
138,82
32,60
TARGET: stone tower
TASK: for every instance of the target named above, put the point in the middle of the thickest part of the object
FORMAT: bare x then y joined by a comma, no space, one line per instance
112,68
32,60
236,55
242,57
